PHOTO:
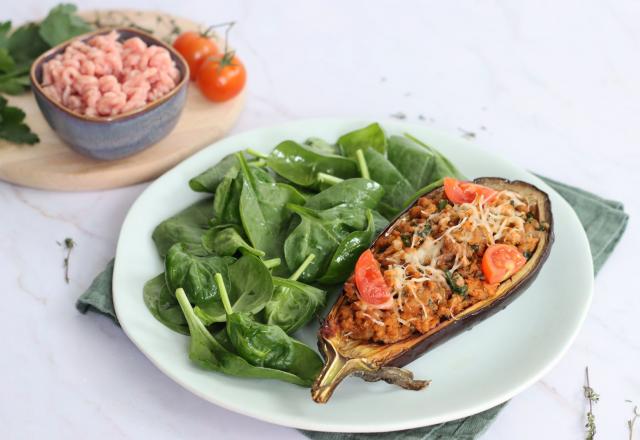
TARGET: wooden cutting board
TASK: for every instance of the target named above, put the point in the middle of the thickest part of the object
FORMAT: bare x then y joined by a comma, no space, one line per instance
52,165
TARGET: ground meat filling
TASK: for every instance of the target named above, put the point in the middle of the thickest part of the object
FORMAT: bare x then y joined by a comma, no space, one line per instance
432,260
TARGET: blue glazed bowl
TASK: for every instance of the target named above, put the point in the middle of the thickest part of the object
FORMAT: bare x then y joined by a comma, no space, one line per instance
115,137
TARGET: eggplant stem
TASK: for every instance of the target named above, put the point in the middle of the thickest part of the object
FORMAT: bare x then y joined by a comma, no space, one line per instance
394,376
338,367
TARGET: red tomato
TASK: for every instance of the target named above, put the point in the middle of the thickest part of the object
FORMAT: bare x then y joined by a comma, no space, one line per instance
221,78
370,282
458,191
195,48
500,261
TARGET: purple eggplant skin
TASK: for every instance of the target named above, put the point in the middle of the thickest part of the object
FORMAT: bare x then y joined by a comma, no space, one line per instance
350,357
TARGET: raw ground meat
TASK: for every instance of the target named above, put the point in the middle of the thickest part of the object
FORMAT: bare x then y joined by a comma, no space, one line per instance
105,77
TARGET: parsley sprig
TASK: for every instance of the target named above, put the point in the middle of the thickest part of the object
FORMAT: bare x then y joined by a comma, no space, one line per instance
18,50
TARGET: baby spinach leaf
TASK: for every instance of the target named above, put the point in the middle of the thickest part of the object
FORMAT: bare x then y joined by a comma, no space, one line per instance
396,187
371,136
357,192
226,240
194,273
262,210
226,203
265,345
208,180
187,227
293,303
301,165
62,24
344,258
320,232
208,353
249,288
321,146
163,304
442,166
413,161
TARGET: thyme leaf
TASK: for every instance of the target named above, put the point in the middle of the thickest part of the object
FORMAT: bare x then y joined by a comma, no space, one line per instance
68,245
592,397
631,422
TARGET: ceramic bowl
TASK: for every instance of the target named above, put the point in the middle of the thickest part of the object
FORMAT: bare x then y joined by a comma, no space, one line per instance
115,137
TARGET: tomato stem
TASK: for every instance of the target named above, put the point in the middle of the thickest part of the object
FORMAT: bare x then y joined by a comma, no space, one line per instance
208,33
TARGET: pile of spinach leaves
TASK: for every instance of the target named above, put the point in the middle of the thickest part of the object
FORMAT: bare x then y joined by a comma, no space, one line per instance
250,264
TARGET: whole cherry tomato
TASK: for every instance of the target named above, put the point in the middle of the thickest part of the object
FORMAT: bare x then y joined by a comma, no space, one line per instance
195,48
221,78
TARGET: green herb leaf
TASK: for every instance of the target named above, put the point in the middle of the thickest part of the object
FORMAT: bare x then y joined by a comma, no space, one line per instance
6,61
62,24
26,44
12,127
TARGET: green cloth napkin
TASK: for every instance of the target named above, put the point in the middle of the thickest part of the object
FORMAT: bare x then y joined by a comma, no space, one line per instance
604,222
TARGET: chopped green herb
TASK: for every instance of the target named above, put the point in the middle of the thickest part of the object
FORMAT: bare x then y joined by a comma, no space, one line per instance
426,230
442,204
530,216
406,240
527,254
542,227
453,282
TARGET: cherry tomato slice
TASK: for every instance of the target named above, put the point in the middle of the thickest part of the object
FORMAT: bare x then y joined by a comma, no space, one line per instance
195,48
458,191
370,282
500,261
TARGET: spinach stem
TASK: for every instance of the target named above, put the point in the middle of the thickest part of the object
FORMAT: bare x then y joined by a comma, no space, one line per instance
307,261
328,179
224,296
362,164
256,153
258,163
274,262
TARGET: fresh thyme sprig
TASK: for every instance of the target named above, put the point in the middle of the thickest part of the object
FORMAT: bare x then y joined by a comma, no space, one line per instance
592,397
68,245
631,422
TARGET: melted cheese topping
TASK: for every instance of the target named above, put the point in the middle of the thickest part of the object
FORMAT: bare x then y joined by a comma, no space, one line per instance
492,220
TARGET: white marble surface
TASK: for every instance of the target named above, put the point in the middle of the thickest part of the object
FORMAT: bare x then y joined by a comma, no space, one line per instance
551,85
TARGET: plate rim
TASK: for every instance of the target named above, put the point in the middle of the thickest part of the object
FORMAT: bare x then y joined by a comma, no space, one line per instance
300,422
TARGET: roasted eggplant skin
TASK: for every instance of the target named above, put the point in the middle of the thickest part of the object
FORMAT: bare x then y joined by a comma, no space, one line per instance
374,361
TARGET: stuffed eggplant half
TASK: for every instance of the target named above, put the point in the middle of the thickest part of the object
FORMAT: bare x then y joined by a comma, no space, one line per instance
455,256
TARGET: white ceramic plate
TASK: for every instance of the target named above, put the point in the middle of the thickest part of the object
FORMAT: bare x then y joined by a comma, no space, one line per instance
475,371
